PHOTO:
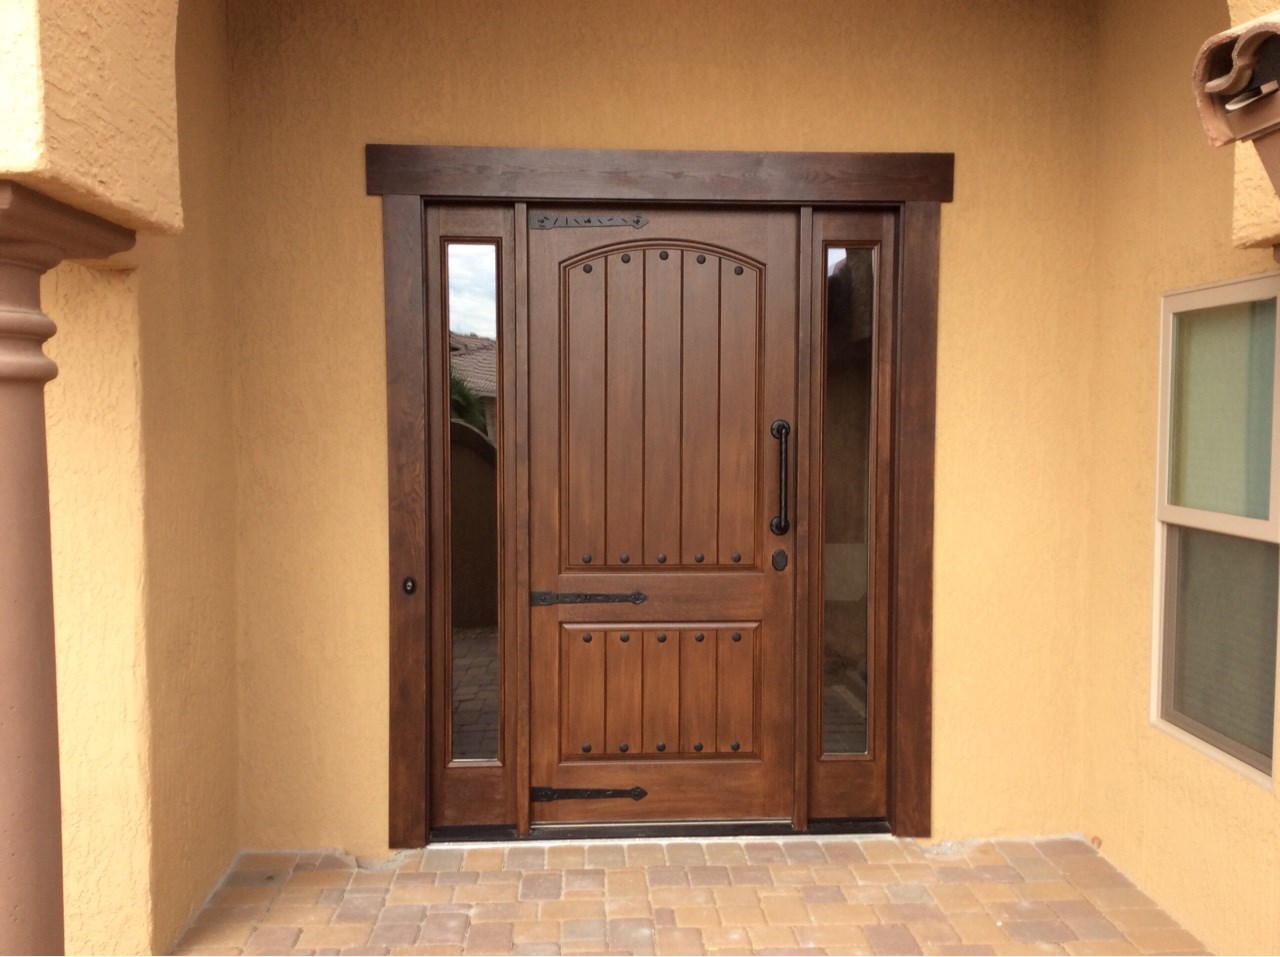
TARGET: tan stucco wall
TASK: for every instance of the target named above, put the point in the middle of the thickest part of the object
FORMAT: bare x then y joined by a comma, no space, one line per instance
312,84
141,447
1199,837
95,483
187,338
21,89
92,119
1256,216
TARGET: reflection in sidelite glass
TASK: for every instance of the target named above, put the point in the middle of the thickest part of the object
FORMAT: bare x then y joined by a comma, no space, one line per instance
472,308
846,484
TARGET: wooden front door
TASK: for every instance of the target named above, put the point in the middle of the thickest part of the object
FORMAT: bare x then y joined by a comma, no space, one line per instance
662,351
615,596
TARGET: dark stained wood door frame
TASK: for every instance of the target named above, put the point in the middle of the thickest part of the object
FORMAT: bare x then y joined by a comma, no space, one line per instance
913,185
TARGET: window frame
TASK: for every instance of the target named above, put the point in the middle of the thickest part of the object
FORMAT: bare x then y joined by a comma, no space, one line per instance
1186,729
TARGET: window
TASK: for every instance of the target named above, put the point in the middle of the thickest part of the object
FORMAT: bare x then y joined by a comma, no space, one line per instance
1219,531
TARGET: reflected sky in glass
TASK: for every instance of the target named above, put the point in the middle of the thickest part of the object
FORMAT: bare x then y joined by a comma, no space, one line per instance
473,289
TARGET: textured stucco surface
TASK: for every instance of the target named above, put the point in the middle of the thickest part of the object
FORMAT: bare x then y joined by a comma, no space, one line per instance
1256,209
1199,837
94,118
143,551
1242,10
312,84
95,486
21,89
186,347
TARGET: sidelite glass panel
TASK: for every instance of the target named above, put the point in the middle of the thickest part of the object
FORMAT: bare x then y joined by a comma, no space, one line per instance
846,485
1223,605
472,305
1220,416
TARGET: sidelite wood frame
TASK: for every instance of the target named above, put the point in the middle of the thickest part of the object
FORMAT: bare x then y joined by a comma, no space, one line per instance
420,185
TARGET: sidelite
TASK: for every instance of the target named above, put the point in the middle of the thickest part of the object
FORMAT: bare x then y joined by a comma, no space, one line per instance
473,500
846,619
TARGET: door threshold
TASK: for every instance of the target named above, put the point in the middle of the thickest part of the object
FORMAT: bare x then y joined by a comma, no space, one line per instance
769,827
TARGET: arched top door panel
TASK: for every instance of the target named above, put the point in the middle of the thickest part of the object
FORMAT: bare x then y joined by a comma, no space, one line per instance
660,406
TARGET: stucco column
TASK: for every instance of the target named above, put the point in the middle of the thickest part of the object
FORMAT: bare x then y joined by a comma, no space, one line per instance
36,233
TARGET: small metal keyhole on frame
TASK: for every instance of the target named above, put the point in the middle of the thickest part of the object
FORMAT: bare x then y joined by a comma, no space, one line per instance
410,585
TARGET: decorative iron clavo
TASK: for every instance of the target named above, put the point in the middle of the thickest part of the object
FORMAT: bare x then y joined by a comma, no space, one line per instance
587,598
544,221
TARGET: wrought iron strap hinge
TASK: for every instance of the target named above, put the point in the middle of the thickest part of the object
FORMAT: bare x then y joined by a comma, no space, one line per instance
587,598
541,795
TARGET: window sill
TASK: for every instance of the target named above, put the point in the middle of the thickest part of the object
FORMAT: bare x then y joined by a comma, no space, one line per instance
1248,771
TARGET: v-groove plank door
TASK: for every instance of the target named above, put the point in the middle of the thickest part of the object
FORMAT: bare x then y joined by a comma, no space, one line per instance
658,358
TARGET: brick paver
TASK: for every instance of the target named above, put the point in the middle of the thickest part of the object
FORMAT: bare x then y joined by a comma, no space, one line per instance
835,895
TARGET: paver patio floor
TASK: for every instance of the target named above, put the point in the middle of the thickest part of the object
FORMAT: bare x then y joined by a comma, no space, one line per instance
801,895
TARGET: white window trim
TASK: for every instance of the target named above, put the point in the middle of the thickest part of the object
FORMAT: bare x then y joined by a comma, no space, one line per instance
1265,286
